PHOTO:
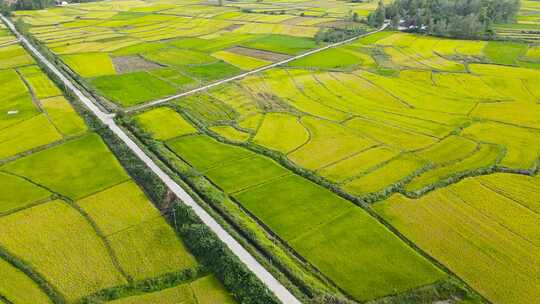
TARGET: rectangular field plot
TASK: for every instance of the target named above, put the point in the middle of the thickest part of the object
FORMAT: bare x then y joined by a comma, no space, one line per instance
282,202
328,143
17,103
524,190
143,242
292,133
394,172
522,144
206,290
203,152
357,164
60,244
90,64
472,238
18,193
75,169
230,133
41,85
243,62
132,88
23,136
486,157
13,56
164,123
62,115
281,44
17,287
330,225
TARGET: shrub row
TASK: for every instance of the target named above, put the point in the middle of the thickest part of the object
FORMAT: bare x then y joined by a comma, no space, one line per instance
145,286
53,294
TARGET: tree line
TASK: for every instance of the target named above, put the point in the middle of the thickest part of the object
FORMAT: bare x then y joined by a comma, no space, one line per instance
7,6
448,18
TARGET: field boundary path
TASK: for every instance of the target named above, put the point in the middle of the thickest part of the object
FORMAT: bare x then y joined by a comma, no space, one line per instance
261,69
108,119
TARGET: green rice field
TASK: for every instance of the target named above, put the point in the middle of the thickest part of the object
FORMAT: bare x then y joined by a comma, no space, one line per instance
411,145
73,222
151,45
395,168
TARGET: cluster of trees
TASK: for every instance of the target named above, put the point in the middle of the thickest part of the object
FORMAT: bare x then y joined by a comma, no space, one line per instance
332,35
7,5
450,18
10,5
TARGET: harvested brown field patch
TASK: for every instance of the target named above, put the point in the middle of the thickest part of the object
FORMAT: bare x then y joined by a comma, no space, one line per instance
128,64
259,54
232,27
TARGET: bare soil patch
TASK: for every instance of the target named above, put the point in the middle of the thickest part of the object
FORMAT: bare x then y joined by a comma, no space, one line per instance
232,27
127,64
260,54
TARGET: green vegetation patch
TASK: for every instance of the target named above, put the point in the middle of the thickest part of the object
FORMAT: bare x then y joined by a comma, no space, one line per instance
164,123
212,71
240,61
173,76
90,64
328,142
245,173
504,52
291,132
472,239
140,48
334,58
281,44
41,85
357,164
230,133
19,288
144,243
13,56
132,88
388,175
177,57
15,98
206,290
283,203
75,169
23,136
203,152
364,258
18,192
60,244
62,115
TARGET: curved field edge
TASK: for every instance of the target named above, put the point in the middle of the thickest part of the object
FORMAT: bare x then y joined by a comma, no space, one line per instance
185,173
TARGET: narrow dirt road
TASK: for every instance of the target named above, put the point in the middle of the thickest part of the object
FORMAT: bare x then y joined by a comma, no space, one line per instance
274,285
264,68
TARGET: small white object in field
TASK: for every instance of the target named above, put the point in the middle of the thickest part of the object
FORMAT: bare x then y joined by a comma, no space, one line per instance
12,112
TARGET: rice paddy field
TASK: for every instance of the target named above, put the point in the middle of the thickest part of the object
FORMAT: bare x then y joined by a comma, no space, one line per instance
436,138
384,168
73,224
132,52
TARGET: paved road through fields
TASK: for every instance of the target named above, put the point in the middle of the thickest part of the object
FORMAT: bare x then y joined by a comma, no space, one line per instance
274,285
264,68
108,119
